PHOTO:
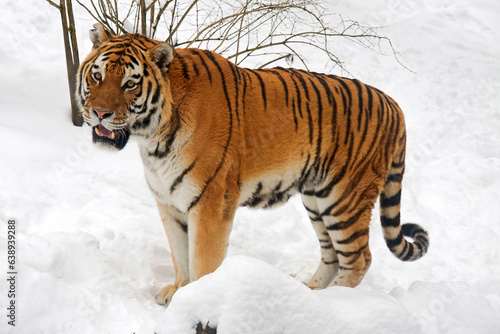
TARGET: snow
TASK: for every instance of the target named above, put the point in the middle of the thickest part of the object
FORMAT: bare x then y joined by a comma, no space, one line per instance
92,252
280,304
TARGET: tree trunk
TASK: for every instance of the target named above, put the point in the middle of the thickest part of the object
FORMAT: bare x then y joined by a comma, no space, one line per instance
71,50
143,17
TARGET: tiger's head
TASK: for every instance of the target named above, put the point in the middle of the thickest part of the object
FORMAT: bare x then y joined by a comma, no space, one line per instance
122,86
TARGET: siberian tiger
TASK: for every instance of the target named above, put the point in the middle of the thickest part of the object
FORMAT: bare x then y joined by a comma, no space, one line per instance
214,136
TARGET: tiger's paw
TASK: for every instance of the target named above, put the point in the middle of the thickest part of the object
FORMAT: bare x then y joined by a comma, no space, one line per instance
165,294
315,284
312,285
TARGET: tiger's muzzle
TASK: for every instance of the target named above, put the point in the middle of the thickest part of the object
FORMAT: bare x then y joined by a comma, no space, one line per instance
109,137
116,138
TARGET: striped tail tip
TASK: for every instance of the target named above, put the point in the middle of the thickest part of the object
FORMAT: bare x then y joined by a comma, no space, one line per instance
406,250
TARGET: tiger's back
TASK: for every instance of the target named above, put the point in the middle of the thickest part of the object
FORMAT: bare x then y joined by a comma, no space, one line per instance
279,118
228,136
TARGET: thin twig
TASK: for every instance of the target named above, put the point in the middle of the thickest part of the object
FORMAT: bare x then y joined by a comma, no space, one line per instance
54,4
276,30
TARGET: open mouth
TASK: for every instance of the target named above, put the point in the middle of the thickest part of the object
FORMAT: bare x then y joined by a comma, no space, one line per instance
116,138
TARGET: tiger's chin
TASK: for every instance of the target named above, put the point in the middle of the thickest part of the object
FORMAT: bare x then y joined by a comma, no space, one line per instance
110,139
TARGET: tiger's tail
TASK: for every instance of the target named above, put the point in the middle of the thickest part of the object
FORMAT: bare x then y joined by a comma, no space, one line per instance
390,204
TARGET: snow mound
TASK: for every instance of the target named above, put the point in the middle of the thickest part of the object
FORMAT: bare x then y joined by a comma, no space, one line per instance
246,295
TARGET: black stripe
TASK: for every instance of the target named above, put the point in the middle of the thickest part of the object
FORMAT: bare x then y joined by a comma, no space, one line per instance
345,268
405,248
204,64
354,236
180,177
183,226
298,105
140,41
348,254
169,138
235,72
328,91
184,66
353,199
283,82
323,170
331,207
390,201
313,214
139,83
419,235
145,106
294,107
390,222
396,165
144,122
263,87
335,136
370,101
392,125
346,223
355,258
244,76
325,192
278,195
132,58
320,120
195,68
394,178
409,254
363,136
392,243
309,121
256,197
156,95
298,75
304,175
346,90
347,105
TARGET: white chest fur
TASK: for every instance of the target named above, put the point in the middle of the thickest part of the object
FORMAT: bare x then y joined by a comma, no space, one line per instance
165,178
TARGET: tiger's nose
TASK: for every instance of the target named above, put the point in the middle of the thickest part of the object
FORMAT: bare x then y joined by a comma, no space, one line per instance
102,114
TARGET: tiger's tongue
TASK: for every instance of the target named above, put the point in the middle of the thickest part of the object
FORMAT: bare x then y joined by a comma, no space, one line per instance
104,132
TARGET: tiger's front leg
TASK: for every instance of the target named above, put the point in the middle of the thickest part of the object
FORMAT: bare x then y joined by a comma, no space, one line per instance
198,240
210,223
175,224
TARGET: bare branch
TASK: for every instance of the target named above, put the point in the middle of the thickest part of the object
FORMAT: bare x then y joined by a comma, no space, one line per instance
181,20
271,31
54,4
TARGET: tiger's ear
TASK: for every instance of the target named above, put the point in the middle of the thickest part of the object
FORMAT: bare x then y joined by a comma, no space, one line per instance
99,35
162,55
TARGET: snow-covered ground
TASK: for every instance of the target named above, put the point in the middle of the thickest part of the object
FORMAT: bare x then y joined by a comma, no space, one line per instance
91,251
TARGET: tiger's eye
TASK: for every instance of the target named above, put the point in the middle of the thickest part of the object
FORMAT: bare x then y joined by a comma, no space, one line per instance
97,76
130,84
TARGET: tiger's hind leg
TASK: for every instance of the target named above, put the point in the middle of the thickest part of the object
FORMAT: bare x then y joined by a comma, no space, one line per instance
329,264
351,245
347,216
